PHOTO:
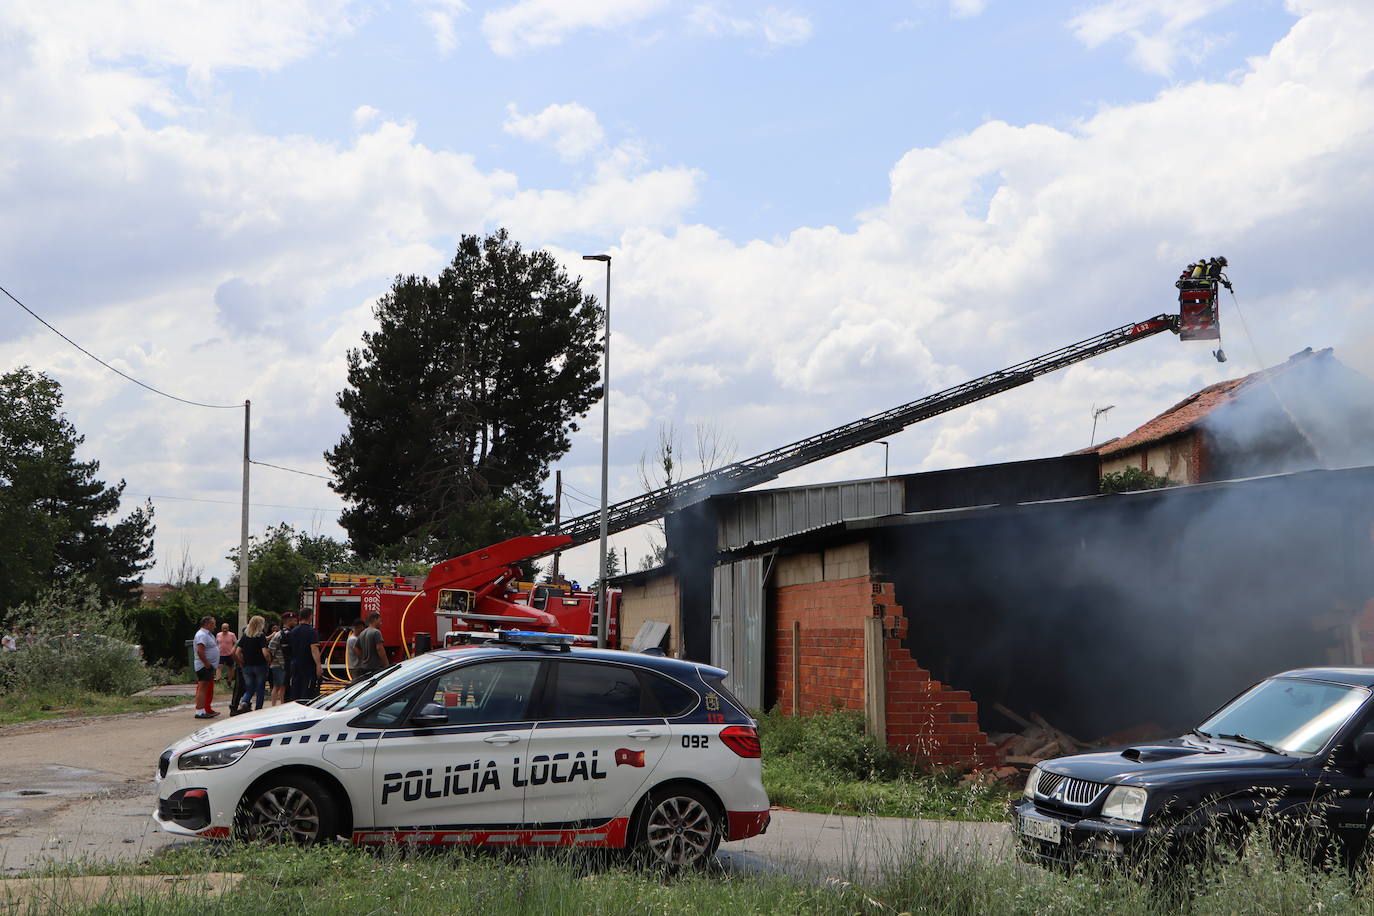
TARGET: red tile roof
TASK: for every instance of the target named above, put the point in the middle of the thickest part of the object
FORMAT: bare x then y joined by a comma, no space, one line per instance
1186,414
152,591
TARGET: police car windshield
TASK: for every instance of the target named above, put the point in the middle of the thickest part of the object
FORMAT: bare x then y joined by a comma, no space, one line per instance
379,685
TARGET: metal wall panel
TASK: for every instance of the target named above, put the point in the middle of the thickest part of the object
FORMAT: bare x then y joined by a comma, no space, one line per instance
767,515
737,627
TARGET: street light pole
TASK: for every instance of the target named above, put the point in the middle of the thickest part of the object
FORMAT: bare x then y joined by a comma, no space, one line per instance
885,447
602,622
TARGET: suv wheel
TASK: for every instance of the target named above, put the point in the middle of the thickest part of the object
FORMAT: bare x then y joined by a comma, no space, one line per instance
287,808
681,828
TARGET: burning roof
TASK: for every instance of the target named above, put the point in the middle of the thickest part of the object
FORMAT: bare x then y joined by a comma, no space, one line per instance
1311,384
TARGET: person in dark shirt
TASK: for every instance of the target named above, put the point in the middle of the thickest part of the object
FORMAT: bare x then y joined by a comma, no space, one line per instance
251,654
303,652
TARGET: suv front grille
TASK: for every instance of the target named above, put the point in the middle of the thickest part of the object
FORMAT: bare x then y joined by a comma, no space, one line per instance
1080,793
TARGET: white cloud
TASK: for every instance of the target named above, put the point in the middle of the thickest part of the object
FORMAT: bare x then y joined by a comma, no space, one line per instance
532,24
364,115
967,9
776,26
571,129
1160,31
200,35
442,16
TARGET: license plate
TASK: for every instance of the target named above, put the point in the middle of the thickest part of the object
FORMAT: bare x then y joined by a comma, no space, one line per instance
1039,829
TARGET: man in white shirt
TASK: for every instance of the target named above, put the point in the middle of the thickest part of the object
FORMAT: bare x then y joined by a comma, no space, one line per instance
207,657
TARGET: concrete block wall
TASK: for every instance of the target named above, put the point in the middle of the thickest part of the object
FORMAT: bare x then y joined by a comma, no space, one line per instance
925,719
655,599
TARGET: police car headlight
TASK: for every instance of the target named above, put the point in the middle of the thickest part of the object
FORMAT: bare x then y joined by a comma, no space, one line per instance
1032,782
1125,803
216,755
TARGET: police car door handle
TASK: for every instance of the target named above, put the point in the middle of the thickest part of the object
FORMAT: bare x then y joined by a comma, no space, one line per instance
501,738
643,734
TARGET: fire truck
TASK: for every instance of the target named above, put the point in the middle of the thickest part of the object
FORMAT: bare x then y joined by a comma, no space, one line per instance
477,592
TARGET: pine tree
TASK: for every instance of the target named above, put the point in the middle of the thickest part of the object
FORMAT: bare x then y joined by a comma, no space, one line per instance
52,506
462,397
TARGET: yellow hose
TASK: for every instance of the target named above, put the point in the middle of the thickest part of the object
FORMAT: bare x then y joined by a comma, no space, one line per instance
405,645
329,660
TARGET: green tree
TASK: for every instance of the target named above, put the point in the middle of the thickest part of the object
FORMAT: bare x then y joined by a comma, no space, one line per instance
281,562
1132,478
164,624
462,397
52,507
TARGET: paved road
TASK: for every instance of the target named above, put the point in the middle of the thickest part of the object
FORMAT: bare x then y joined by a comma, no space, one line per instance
83,789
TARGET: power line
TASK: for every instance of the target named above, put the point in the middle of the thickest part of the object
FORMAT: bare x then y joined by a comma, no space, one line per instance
226,502
291,470
568,486
582,501
112,368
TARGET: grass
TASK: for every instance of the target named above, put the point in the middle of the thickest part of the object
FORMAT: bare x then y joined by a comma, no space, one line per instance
35,706
342,879
824,763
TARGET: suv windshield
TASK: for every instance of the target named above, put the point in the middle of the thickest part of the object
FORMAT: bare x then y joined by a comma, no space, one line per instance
1292,715
379,685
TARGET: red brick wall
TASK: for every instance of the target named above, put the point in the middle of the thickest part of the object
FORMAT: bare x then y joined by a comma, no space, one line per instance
925,719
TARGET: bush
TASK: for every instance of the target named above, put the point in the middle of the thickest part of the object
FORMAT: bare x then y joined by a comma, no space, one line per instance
164,625
102,659
63,665
832,741
1132,479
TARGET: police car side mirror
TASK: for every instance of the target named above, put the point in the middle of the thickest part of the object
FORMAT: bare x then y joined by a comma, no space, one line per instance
429,716
1364,748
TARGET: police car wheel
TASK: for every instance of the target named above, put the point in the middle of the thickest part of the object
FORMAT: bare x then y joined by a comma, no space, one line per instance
680,828
290,808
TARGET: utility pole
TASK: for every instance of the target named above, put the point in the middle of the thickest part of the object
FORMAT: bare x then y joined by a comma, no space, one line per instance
557,516
243,526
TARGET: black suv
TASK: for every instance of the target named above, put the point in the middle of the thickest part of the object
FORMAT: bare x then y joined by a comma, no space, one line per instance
1299,746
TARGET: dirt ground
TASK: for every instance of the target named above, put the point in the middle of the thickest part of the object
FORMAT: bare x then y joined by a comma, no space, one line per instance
83,789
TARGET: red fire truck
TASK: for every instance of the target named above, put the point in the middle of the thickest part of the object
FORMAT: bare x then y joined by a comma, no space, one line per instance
477,592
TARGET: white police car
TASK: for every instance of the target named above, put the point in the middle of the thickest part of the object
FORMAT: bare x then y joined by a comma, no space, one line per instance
520,741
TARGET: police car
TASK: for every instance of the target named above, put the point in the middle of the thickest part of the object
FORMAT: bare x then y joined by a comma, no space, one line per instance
524,740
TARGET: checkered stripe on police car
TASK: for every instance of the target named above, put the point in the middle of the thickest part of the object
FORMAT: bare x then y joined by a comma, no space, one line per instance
318,739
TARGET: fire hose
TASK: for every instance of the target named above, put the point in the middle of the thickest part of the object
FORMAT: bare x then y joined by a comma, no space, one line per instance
405,645
329,659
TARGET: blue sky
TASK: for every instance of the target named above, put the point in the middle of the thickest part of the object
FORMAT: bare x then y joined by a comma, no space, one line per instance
787,135
817,211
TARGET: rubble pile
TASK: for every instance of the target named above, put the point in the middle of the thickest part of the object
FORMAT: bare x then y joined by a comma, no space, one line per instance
1038,740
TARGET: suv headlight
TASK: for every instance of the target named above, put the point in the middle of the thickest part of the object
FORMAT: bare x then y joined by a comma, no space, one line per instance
1032,782
214,756
1126,803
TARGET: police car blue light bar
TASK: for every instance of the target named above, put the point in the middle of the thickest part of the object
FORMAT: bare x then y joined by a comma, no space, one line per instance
535,638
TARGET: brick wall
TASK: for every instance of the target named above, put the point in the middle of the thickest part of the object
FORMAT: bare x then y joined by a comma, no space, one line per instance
925,719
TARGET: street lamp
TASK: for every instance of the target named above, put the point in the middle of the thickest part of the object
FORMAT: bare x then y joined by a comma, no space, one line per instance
885,448
601,628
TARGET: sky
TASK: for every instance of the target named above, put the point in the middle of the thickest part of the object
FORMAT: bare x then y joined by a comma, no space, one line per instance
815,210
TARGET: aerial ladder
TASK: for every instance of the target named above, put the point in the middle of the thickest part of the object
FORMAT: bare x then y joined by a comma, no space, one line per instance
767,466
